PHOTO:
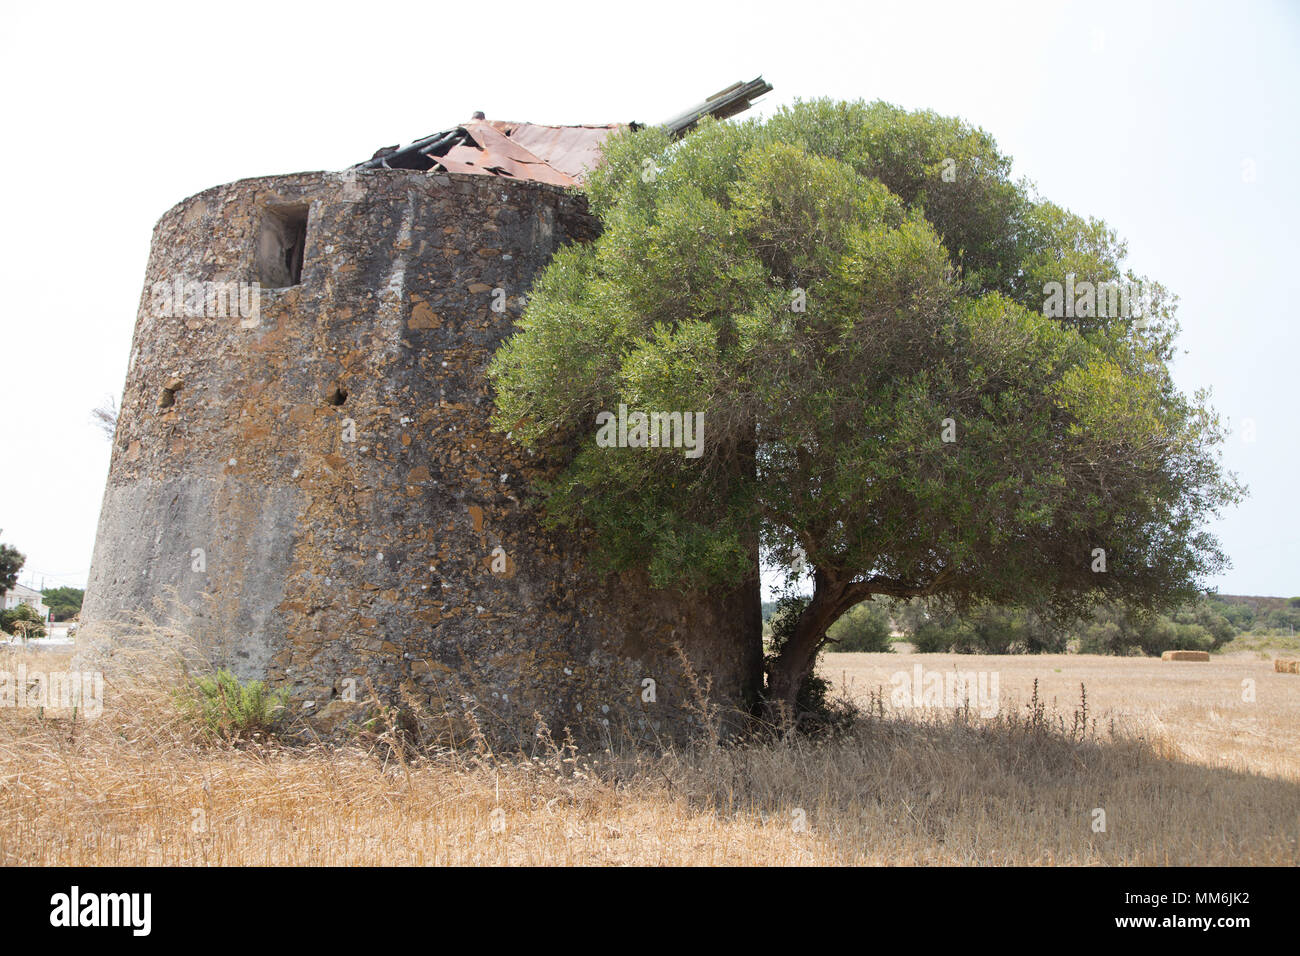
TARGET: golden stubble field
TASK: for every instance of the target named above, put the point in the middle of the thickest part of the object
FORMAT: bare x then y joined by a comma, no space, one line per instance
1185,770
1202,710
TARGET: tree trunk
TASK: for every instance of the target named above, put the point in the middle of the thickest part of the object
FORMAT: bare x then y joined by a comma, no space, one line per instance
794,663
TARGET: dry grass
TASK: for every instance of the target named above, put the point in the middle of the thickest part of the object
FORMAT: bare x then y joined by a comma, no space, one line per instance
137,786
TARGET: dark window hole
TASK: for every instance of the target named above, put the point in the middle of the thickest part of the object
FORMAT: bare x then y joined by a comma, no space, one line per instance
337,397
281,245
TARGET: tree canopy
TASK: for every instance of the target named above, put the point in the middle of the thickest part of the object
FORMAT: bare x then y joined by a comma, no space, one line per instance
853,296
11,562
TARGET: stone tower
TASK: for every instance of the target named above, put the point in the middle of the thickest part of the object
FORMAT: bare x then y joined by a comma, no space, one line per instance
304,478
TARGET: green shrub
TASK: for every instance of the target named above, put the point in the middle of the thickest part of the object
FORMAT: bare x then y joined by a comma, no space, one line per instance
1103,637
1168,635
941,635
864,628
9,621
230,709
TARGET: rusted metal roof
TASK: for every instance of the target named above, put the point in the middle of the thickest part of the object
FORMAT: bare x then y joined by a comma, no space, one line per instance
560,155
573,150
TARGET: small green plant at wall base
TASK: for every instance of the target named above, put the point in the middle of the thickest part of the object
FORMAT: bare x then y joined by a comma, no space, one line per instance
229,709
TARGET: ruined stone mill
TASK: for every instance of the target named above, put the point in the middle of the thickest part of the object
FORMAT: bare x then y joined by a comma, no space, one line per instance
304,480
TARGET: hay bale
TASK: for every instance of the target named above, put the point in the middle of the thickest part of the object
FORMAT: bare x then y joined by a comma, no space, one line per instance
1286,666
1185,656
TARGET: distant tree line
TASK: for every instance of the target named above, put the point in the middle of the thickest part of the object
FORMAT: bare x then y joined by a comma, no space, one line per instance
1111,628
64,603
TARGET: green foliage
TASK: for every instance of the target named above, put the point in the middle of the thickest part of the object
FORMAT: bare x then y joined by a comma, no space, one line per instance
11,562
940,635
863,628
1212,621
1109,628
986,629
9,621
828,290
979,214
1241,616
1285,619
1115,630
823,426
63,602
229,709
1264,616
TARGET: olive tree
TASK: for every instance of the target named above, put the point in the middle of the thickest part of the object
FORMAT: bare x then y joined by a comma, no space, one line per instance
850,300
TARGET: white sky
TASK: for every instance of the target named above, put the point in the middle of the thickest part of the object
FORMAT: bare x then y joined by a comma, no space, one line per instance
1141,114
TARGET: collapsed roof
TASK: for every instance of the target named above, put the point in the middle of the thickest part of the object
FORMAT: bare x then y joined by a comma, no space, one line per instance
559,155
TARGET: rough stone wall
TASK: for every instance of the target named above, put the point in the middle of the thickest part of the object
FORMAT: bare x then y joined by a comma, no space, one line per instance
408,558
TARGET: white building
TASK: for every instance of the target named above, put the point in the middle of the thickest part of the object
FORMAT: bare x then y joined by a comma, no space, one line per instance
22,594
